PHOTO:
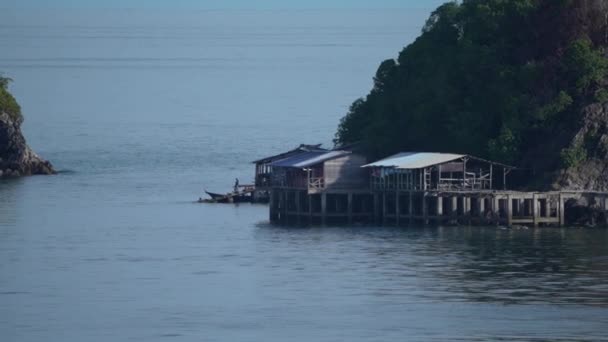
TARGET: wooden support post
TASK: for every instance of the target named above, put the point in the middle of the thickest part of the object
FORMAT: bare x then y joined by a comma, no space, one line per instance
298,208
410,209
384,208
454,206
349,209
397,207
323,208
272,207
509,210
466,204
561,210
496,209
535,209
481,206
376,206
309,208
521,207
491,175
464,173
425,209
547,207
439,206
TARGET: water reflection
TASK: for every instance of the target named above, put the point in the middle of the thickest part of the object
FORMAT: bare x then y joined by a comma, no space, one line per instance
536,266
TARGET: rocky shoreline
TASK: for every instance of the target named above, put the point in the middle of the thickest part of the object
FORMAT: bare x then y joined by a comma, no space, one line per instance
16,157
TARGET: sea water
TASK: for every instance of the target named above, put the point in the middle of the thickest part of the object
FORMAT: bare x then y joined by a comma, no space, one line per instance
141,110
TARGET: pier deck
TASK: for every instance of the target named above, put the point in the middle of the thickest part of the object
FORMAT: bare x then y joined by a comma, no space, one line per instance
484,207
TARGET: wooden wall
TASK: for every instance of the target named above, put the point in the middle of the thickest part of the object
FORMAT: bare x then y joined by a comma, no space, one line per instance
346,173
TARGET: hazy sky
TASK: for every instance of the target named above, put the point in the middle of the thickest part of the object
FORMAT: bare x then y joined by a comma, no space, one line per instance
220,4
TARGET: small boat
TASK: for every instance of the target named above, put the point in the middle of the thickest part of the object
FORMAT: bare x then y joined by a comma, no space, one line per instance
232,197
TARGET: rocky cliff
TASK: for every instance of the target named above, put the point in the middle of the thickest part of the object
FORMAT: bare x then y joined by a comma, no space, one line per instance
591,138
16,157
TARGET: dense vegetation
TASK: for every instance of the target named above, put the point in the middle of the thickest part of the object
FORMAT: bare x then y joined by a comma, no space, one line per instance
8,104
490,78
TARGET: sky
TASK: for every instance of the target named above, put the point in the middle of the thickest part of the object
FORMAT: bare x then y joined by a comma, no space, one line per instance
219,4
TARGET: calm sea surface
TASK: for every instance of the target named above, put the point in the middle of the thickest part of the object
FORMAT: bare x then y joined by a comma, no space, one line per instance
141,110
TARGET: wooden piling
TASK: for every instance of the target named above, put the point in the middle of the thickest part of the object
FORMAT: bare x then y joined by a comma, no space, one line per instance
376,204
481,206
397,208
535,210
298,208
454,206
439,211
561,210
509,210
384,208
425,209
349,210
324,208
410,210
309,209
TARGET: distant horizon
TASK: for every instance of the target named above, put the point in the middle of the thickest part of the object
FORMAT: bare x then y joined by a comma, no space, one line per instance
222,5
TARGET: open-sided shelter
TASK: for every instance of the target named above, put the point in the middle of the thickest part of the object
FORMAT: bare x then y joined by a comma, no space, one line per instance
423,171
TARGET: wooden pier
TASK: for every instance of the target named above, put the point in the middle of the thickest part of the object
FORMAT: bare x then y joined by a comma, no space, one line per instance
314,186
401,208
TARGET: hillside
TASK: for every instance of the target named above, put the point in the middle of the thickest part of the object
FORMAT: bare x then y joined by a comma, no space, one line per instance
517,81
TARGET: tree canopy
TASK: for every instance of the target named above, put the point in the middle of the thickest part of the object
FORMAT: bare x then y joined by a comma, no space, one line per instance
488,78
8,104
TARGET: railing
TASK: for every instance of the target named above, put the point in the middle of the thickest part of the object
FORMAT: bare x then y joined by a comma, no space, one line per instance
316,183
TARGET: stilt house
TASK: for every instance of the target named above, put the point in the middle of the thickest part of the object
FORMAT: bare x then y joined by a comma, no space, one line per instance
316,171
263,167
422,171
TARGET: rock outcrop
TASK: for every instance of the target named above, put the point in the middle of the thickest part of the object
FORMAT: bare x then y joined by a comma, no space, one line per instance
16,157
591,136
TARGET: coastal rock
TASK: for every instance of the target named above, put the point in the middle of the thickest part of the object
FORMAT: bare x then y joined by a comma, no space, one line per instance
586,211
16,157
592,136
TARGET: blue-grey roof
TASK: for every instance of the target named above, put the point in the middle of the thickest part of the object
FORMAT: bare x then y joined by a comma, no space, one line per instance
420,160
306,159
300,149
415,160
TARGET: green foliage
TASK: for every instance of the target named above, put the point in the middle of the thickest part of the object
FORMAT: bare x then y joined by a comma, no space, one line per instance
551,110
601,95
584,65
8,104
505,147
486,77
573,156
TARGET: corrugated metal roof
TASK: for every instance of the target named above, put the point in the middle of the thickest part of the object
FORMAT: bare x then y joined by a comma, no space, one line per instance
415,160
306,159
300,149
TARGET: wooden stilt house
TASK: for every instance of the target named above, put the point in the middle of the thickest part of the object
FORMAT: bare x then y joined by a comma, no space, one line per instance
263,167
422,171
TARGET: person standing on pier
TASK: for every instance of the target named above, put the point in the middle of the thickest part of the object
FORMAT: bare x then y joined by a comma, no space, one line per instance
236,185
